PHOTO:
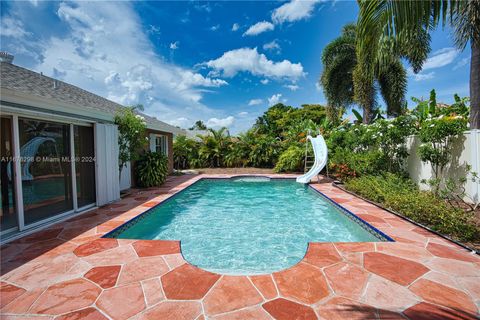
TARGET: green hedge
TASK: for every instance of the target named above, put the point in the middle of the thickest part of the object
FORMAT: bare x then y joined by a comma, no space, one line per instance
291,160
402,195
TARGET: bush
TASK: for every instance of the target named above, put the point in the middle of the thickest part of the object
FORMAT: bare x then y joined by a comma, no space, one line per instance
347,164
151,169
291,160
402,195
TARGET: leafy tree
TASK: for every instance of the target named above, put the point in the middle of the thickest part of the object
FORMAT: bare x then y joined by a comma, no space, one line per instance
409,20
199,125
344,81
131,135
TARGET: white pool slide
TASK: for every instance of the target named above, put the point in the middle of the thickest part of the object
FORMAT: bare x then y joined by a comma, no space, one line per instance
320,151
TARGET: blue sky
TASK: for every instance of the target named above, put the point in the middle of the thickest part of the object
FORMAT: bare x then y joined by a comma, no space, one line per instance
221,62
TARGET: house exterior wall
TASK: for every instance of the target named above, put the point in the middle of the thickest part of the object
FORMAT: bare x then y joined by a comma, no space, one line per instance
148,134
466,151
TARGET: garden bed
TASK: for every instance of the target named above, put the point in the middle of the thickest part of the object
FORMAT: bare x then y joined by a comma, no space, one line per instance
469,245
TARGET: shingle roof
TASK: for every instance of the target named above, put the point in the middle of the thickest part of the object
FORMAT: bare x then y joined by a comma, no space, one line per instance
26,81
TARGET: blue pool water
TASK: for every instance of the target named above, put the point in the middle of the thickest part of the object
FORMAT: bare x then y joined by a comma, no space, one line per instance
245,226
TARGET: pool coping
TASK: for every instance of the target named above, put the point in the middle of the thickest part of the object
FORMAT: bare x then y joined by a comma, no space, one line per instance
381,236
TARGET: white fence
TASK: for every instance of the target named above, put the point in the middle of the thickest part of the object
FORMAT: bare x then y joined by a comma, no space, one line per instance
466,152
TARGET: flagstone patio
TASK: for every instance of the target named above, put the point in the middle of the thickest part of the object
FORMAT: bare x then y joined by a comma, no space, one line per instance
69,272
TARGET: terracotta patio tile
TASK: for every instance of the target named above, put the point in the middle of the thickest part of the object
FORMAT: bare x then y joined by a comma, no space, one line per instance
66,296
118,255
231,293
427,311
354,258
105,277
173,310
445,296
472,285
399,270
174,260
264,284
147,248
257,313
349,247
385,294
22,317
41,247
22,303
152,289
188,282
339,308
84,314
404,250
50,233
8,293
95,246
451,253
39,274
346,279
122,302
442,278
321,254
142,269
302,282
283,309
370,218
454,267
150,204
390,315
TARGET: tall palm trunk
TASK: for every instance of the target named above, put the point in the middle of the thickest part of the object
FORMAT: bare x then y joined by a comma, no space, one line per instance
475,85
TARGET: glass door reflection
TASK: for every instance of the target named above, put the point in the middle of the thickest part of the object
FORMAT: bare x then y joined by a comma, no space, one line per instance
45,168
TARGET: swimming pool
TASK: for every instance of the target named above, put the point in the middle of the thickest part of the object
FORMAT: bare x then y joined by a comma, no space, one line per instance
247,225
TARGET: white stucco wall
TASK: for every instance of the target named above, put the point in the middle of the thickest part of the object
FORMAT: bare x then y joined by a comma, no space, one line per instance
466,151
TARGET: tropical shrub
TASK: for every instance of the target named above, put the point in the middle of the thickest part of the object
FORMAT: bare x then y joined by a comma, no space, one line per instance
291,160
402,195
346,163
151,169
185,152
131,135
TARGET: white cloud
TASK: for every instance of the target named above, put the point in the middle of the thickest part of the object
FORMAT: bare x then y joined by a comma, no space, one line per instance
174,45
249,60
273,100
440,58
293,11
424,76
220,123
255,102
292,87
12,27
215,27
318,86
87,53
243,114
463,62
264,81
258,28
235,27
272,46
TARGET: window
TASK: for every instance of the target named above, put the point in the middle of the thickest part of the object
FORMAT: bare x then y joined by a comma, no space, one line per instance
159,143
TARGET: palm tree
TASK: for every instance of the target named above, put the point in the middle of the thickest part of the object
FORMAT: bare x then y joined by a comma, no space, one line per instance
408,19
345,81
214,146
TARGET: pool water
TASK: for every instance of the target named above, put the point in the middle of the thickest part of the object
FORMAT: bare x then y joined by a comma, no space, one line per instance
245,226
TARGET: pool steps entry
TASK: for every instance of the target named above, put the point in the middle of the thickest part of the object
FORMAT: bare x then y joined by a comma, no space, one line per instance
320,151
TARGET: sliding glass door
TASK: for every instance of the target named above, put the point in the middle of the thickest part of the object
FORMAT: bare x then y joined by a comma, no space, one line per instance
45,169
56,166
8,214
84,165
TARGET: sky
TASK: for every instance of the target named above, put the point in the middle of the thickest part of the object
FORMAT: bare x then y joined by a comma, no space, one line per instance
222,62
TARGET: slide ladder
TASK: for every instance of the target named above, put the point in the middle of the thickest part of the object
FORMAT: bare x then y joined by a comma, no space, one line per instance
320,152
